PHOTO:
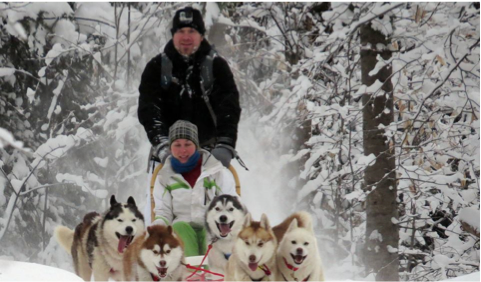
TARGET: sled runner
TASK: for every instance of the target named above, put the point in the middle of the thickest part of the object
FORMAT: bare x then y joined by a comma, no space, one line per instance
196,264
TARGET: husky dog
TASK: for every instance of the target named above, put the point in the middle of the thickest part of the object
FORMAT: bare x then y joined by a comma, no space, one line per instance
253,257
224,219
297,255
97,245
156,255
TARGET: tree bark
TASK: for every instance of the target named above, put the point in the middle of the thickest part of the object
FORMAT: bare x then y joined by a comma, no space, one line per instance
379,178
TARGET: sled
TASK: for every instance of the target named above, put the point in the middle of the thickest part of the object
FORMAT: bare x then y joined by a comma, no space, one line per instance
196,264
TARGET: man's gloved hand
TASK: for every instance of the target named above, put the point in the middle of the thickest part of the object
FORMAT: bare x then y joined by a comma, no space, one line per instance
224,153
162,151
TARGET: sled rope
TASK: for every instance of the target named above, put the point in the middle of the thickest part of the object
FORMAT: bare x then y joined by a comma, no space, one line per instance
201,269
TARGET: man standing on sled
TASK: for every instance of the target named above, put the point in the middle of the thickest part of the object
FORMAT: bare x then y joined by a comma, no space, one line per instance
190,81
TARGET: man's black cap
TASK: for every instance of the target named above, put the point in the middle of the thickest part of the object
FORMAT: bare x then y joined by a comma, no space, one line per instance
188,17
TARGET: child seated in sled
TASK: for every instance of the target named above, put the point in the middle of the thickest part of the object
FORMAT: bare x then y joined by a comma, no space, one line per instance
190,178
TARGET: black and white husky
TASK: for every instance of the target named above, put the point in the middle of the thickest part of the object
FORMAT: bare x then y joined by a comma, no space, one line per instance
98,243
224,219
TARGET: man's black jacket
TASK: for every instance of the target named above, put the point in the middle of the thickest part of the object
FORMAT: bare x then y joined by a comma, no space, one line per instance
159,108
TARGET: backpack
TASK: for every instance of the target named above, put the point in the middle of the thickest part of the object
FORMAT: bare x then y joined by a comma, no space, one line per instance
206,77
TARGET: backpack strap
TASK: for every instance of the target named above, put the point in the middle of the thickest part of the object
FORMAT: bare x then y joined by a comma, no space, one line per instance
207,81
166,75
206,70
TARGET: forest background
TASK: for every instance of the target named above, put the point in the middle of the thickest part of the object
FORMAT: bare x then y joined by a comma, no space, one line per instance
364,114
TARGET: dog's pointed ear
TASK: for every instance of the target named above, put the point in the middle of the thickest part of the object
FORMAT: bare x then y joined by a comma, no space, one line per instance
309,226
265,222
169,229
293,225
131,201
112,200
247,220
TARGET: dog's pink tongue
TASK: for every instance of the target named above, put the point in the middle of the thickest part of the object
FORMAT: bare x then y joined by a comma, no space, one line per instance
123,242
298,259
224,229
253,266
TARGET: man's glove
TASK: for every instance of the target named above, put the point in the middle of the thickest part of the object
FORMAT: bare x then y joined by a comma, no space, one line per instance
224,153
162,151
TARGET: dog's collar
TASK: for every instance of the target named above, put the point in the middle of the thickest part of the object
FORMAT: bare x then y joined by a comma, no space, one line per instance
266,269
215,239
290,266
155,277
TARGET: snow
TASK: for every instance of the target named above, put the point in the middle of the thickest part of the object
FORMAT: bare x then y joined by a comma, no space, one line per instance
6,138
6,71
23,271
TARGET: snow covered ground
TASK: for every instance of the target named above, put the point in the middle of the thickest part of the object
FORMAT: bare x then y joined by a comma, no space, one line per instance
23,271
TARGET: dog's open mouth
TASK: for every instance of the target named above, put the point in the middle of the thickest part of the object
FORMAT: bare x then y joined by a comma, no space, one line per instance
224,228
298,259
162,271
124,241
253,266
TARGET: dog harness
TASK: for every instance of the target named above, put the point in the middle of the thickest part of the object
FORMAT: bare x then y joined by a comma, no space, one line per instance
215,239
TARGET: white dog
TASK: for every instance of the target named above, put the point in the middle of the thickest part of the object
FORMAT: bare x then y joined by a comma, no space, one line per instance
297,256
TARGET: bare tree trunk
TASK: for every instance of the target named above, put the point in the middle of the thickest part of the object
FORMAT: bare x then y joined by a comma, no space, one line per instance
379,178
128,52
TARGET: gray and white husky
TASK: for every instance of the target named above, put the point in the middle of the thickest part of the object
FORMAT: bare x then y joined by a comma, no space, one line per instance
98,243
224,218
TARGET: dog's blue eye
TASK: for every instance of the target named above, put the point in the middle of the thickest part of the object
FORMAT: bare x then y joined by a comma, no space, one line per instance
306,243
293,242
120,220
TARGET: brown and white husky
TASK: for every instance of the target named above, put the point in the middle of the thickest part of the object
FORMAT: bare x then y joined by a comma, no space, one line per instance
253,257
98,243
156,255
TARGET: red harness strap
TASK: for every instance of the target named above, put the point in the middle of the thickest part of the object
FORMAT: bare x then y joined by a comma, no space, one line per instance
204,270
